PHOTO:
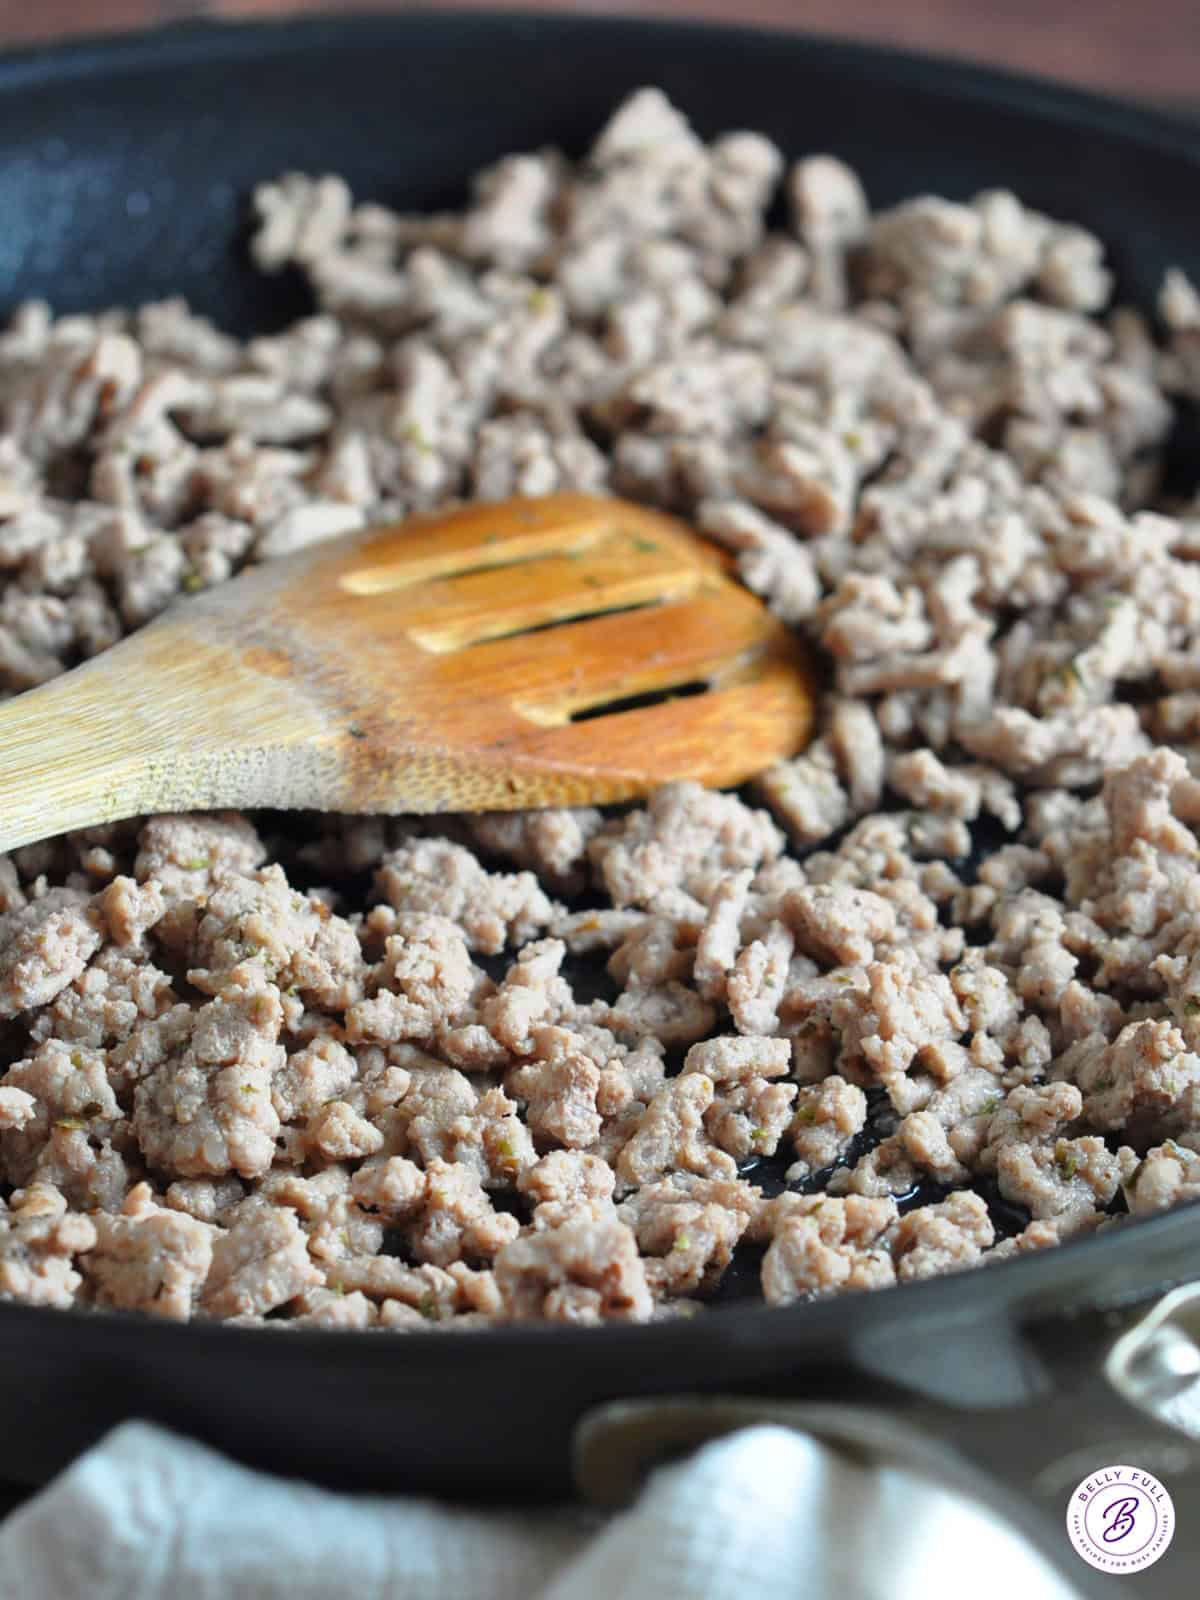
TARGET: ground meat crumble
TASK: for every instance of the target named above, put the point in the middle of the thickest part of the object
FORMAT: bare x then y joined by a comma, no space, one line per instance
923,998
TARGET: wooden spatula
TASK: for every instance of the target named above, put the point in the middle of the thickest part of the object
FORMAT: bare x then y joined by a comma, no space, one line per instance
446,663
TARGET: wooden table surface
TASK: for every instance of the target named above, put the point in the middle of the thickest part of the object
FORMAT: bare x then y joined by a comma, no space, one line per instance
1144,48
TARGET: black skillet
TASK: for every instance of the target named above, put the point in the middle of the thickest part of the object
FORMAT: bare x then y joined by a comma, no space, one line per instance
124,169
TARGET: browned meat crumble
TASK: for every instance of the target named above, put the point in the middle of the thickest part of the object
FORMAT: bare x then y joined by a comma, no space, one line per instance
928,998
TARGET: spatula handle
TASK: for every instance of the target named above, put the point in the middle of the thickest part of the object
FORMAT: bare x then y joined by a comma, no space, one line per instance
132,732
67,760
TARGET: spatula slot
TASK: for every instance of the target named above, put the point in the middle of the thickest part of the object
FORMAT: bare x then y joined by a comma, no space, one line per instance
443,568
476,539
449,616
544,627
638,702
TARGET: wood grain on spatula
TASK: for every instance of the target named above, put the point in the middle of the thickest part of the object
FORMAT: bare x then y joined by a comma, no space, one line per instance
450,663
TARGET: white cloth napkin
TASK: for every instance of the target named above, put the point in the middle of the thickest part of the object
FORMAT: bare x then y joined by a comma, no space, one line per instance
146,1515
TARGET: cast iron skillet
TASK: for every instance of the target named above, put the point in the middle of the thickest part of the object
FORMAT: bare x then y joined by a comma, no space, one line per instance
124,169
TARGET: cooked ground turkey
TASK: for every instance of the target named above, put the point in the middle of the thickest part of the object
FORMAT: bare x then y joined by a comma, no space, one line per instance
926,997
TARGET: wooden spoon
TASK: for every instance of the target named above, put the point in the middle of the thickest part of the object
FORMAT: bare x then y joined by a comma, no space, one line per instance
439,664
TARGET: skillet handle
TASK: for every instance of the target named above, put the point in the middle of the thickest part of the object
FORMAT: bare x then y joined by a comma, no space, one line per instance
1122,1401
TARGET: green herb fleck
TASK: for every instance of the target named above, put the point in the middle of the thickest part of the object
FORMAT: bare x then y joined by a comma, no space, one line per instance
414,434
646,546
344,1236
1070,674
541,301
192,581
73,1124
759,1136
1066,1159
77,1060
683,1242
248,1088
806,1114
1103,1083
356,731
197,864
992,1103
428,1307
336,1288
1191,1005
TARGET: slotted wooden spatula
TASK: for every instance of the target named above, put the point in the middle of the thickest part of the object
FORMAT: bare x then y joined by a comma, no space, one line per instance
452,663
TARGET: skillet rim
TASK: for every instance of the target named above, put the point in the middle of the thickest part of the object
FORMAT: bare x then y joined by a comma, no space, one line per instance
1158,1245
203,38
